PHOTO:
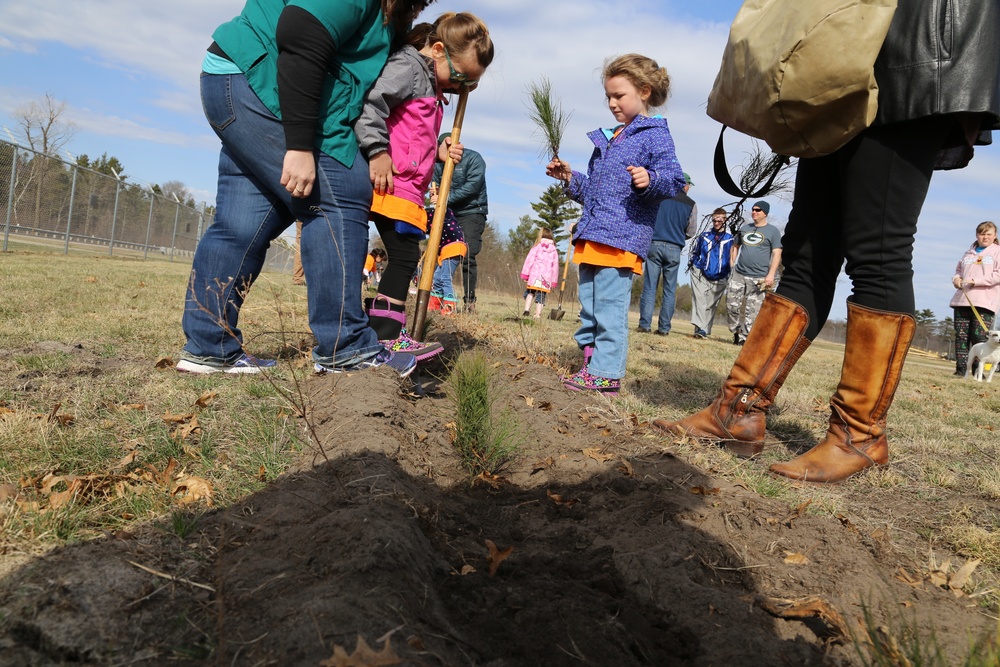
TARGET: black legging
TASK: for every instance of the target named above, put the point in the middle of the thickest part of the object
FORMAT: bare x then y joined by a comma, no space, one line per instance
403,251
860,204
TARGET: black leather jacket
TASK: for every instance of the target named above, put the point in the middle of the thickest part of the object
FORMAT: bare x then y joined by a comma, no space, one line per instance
942,57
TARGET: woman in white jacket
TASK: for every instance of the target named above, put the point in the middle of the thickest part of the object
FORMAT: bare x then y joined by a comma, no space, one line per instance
977,279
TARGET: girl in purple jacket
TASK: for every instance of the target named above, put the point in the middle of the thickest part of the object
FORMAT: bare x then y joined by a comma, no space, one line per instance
633,168
540,272
397,132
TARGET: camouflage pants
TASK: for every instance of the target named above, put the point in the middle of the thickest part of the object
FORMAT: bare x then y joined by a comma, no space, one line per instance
968,332
744,296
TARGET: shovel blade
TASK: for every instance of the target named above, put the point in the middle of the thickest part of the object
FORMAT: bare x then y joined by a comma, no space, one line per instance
556,314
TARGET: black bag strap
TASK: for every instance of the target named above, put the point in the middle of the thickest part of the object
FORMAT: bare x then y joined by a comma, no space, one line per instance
726,181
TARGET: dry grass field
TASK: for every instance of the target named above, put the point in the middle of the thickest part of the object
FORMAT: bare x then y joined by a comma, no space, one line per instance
149,516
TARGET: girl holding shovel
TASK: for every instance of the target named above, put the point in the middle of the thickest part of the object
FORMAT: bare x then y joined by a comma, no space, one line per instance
397,132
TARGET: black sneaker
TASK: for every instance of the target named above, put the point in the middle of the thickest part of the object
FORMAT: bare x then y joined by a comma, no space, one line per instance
642,329
661,333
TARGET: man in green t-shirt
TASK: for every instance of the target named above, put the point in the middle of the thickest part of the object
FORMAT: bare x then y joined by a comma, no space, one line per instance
756,256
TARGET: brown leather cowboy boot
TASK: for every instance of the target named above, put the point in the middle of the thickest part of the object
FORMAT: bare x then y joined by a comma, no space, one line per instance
877,342
737,415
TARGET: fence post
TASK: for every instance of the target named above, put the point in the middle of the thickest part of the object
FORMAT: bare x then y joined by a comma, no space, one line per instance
10,199
149,224
114,216
69,214
177,215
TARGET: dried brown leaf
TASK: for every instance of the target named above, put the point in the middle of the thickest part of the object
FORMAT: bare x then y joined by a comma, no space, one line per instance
163,362
187,490
171,418
206,399
796,513
833,626
908,578
126,460
497,556
542,465
704,491
596,454
958,580
795,558
185,431
528,400
559,500
626,467
363,656
61,498
494,481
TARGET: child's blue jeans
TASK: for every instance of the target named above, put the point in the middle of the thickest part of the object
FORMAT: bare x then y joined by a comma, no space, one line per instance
442,278
605,293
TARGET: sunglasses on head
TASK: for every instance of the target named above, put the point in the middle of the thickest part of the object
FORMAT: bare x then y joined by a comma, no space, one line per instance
457,77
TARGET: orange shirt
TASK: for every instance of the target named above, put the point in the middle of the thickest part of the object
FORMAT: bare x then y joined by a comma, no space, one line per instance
598,254
397,208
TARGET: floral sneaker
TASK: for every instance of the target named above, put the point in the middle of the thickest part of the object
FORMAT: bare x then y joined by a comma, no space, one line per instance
582,380
406,343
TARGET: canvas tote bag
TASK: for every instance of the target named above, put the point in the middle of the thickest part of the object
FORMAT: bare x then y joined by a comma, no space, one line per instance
799,75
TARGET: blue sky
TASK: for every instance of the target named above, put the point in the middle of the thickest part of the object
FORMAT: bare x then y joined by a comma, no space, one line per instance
128,74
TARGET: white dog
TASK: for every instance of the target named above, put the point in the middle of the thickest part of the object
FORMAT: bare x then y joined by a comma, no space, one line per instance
984,353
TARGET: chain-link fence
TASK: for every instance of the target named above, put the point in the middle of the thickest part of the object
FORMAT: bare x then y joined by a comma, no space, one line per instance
56,206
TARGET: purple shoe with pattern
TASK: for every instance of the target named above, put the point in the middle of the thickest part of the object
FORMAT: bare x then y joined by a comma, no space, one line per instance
582,380
406,343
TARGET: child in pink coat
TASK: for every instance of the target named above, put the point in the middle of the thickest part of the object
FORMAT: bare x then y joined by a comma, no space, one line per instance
540,272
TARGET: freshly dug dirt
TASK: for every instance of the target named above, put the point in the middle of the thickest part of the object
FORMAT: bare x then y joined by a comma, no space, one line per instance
618,552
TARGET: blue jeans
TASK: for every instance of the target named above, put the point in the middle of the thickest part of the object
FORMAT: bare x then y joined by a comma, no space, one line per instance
253,209
442,278
604,297
663,260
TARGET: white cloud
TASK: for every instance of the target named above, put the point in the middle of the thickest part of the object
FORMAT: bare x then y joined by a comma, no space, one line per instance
148,56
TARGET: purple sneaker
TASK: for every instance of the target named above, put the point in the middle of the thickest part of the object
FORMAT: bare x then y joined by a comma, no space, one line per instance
584,381
406,343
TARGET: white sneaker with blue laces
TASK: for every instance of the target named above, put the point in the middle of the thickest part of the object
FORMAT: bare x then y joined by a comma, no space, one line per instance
247,363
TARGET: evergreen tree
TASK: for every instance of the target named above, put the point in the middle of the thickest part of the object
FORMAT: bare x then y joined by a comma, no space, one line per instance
521,238
103,165
556,211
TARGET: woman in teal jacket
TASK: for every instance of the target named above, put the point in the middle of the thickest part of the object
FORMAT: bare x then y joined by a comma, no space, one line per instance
282,85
